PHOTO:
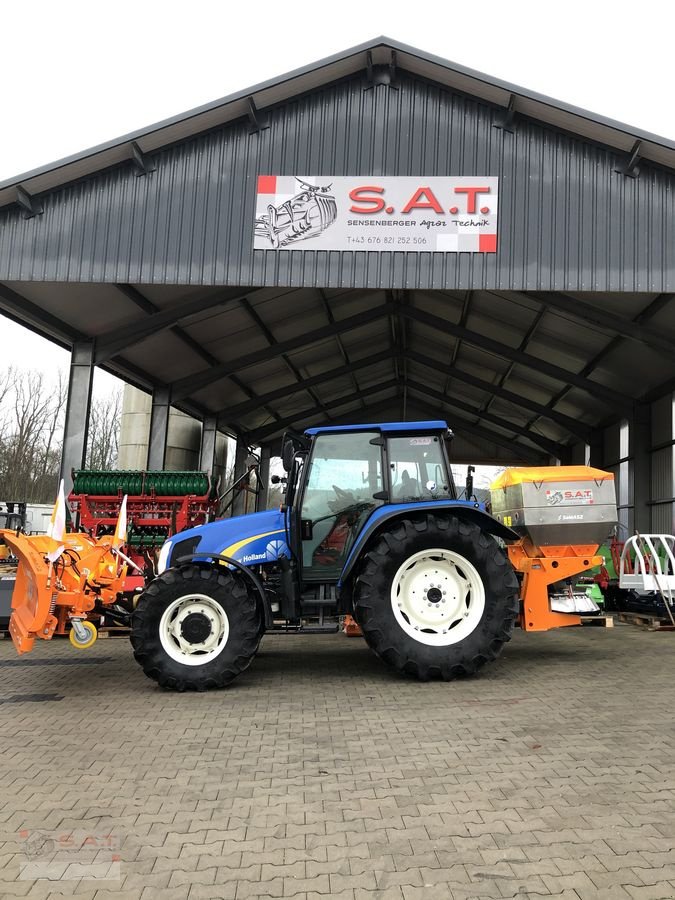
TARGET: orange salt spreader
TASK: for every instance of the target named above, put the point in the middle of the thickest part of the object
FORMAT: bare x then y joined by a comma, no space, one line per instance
563,514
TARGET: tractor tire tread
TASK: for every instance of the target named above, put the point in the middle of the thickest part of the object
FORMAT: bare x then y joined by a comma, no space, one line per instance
373,609
168,673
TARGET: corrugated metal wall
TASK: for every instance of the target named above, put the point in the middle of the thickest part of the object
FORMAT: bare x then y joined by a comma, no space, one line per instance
657,462
662,466
568,220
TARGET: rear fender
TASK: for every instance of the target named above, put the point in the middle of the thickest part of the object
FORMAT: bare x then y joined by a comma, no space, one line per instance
386,515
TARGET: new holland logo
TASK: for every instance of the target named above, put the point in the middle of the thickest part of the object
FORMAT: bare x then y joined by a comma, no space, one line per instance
275,549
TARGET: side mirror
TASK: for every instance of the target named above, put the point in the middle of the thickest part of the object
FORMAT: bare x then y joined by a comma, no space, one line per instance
288,454
292,444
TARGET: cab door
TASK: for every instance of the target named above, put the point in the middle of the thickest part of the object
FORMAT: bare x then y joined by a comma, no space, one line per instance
343,485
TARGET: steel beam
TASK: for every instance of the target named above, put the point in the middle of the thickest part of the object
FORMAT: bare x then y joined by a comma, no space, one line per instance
272,341
461,425
463,319
29,204
143,163
263,479
652,309
241,409
529,334
340,342
159,427
613,398
28,313
240,468
78,403
147,306
550,447
119,339
572,425
640,439
381,411
605,320
264,434
183,387
207,450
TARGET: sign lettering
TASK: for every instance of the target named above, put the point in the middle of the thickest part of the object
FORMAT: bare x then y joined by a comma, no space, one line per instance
435,215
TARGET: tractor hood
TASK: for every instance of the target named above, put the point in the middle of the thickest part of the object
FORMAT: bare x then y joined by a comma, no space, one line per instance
251,540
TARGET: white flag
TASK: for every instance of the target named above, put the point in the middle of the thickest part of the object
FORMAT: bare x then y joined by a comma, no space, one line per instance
120,536
57,526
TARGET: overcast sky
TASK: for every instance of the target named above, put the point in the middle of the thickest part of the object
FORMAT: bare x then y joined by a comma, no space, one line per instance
76,74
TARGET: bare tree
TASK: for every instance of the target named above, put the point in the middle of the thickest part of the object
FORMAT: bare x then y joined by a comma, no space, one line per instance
31,413
7,381
104,432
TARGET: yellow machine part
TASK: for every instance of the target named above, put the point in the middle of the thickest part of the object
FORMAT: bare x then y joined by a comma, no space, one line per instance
540,474
84,645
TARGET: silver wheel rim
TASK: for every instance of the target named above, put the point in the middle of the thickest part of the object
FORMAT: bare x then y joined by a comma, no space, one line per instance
438,597
174,642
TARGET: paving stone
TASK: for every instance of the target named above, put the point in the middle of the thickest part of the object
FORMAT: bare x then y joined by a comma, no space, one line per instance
319,774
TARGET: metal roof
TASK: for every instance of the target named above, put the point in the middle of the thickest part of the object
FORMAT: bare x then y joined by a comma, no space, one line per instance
405,427
519,373
379,51
526,373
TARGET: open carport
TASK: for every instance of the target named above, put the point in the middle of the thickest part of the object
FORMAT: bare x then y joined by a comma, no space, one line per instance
546,336
555,343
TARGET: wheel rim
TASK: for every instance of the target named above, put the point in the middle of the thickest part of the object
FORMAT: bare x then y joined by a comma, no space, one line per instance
194,629
437,597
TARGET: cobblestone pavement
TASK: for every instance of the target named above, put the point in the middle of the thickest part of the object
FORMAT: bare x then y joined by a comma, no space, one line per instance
320,773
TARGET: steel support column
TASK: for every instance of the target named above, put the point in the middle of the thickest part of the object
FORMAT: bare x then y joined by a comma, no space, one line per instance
240,468
641,439
263,479
78,404
159,426
207,451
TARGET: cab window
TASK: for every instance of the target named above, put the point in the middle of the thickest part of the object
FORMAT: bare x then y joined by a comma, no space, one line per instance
344,473
417,469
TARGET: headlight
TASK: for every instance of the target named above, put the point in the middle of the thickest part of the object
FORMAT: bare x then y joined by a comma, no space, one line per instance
163,560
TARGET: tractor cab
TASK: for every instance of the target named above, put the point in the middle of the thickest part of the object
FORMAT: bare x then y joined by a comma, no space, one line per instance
339,477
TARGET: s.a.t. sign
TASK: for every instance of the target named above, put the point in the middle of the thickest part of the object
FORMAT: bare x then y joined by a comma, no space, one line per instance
319,212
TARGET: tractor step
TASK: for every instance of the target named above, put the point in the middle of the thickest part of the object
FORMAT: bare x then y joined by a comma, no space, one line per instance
305,629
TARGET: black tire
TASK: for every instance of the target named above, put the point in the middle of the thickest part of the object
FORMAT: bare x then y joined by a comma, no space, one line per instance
224,588
373,606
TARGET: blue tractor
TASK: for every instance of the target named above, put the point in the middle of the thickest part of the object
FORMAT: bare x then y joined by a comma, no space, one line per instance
371,526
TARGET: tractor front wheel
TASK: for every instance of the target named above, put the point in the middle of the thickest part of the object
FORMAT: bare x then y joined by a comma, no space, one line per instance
436,597
195,628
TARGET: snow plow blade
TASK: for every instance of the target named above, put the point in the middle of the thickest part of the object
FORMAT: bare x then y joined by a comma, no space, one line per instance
49,595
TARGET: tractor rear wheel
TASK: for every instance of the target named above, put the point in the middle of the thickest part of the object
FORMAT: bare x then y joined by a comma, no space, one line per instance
436,597
195,628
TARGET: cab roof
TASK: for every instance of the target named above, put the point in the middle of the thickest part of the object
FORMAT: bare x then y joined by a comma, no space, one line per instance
434,425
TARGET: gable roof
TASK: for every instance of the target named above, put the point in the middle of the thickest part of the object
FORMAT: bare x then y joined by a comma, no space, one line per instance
379,51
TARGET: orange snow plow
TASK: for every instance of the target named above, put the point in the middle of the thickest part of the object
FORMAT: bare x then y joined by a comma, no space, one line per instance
49,595
61,578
